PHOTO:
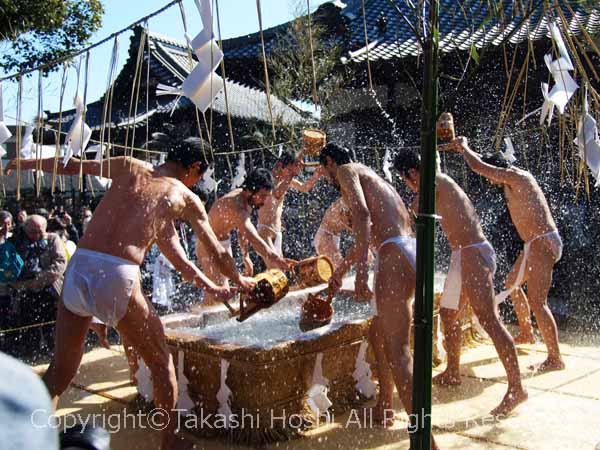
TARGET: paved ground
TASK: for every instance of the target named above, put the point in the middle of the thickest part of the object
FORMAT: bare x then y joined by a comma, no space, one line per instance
563,411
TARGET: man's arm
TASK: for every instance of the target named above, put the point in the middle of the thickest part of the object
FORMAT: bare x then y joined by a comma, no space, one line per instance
309,184
473,159
248,232
170,246
195,214
89,167
361,224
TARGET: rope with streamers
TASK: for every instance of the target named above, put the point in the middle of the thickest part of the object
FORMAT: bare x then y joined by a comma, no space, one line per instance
18,138
312,56
266,69
63,85
367,46
107,107
85,88
133,89
39,146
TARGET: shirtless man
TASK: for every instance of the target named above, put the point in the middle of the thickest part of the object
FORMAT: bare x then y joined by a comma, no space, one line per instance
533,220
269,215
103,276
231,212
337,218
380,218
470,280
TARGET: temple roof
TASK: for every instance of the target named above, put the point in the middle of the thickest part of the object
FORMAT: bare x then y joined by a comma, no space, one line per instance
169,65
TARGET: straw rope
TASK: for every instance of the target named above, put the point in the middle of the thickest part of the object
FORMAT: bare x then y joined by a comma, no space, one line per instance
266,69
63,85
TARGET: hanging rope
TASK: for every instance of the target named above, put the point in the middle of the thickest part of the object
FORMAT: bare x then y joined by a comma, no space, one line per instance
82,149
266,69
229,122
191,66
18,138
134,88
312,56
147,86
367,46
107,107
63,85
39,145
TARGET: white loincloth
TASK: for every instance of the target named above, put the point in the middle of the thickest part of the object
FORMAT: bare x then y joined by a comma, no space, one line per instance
227,245
453,284
408,246
555,240
100,285
319,235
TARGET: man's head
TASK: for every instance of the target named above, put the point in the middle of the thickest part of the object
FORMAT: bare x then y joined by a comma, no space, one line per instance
21,216
259,184
186,153
288,163
408,165
35,227
497,160
6,223
332,156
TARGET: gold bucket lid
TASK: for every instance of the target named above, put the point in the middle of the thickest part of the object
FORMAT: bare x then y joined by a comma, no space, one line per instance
313,141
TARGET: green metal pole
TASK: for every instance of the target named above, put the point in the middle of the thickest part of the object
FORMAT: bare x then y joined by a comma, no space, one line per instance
420,419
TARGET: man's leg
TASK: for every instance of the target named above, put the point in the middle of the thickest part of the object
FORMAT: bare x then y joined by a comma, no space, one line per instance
538,285
142,329
212,272
452,343
382,411
69,340
394,291
520,304
478,285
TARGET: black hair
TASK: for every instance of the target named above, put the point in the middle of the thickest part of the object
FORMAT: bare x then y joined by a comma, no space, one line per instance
406,159
258,179
340,155
184,152
496,159
287,158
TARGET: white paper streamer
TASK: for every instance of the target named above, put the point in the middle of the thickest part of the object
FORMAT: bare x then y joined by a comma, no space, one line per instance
208,182
509,154
224,395
76,141
5,133
318,401
184,402
163,286
102,181
144,381
588,142
240,172
387,163
564,84
27,148
362,372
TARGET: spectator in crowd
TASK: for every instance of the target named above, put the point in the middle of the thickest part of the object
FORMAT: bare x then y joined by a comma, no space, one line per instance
40,283
42,212
59,227
86,217
21,217
10,266
20,223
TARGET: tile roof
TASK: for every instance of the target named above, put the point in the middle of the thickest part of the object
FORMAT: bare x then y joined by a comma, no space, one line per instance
462,24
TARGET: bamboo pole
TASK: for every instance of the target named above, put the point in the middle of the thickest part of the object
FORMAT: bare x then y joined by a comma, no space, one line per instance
420,419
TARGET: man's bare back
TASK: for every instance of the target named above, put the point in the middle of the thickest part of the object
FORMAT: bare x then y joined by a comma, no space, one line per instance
389,216
229,213
459,220
337,218
137,208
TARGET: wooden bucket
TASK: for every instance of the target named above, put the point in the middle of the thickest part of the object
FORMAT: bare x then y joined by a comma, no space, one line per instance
271,286
316,312
313,141
314,271
445,127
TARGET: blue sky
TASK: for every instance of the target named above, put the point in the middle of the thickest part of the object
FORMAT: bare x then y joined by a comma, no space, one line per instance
237,17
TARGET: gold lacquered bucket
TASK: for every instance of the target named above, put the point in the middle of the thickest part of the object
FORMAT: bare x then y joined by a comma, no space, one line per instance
313,141
314,271
271,286
445,127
